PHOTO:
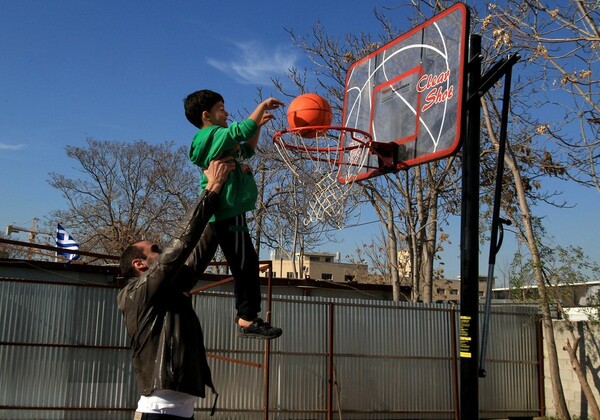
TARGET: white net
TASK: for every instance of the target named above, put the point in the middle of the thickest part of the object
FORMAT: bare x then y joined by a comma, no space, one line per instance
317,165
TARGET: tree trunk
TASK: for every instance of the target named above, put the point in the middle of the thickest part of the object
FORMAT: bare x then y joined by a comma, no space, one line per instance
585,386
385,212
529,236
415,261
429,251
392,249
413,240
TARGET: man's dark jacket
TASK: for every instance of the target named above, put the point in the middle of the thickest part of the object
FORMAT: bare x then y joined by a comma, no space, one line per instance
166,336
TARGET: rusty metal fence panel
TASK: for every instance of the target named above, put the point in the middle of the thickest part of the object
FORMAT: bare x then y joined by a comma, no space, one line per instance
61,353
513,368
394,360
64,355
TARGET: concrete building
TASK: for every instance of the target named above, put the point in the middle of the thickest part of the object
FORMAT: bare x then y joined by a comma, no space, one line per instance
318,266
579,301
447,290
570,294
327,267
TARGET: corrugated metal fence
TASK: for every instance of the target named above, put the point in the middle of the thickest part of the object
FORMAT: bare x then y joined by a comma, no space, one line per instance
64,355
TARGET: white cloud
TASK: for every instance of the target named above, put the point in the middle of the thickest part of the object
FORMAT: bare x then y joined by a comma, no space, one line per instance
10,147
255,64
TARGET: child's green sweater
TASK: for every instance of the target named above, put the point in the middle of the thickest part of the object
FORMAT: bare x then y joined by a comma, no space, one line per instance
239,193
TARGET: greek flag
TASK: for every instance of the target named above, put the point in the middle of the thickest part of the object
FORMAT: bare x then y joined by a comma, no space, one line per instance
66,241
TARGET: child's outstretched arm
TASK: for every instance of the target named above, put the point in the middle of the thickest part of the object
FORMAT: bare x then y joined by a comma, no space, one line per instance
260,116
259,113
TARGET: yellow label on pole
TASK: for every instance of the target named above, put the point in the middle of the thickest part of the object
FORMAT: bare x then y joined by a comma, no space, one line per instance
465,338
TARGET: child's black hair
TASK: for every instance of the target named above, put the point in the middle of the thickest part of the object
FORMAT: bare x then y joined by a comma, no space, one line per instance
198,102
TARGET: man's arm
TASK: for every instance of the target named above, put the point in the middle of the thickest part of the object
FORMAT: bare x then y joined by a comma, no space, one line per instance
217,173
187,235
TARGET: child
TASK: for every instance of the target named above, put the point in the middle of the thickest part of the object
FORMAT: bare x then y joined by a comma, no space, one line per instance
205,109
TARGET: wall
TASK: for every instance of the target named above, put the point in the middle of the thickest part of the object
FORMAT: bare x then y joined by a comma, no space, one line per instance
65,355
589,352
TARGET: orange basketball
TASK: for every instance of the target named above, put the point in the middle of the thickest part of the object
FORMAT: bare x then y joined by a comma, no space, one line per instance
306,110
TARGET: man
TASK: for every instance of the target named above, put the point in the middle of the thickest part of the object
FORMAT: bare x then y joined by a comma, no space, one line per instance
169,358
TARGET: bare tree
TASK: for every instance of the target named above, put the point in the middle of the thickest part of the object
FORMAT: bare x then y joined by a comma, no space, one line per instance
560,44
526,229
408,205
128,191
562,268
561,41
12,251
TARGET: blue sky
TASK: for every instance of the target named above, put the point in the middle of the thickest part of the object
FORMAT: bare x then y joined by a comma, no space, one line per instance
118,70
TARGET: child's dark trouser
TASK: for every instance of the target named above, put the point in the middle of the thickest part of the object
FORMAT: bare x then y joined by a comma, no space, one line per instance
235,242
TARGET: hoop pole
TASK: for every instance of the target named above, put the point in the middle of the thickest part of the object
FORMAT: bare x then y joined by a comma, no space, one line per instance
469,243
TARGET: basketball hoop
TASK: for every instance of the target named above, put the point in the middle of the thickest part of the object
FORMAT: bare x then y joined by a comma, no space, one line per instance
318,163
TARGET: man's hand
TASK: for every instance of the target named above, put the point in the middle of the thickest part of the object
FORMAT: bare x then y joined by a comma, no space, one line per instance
217,173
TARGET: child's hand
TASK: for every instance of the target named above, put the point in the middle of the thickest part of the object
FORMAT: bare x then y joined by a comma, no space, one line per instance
260,115
265,118
273,103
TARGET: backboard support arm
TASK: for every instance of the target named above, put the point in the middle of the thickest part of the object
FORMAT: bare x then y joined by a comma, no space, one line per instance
497,222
